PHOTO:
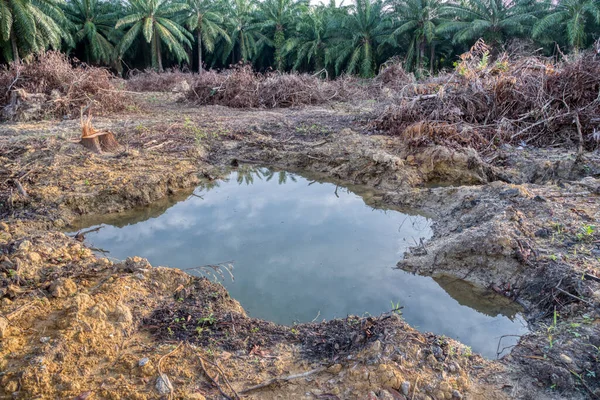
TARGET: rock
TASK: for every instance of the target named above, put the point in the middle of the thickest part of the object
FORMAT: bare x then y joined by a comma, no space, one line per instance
540,199
11,387
34,257
334,369
542,233
143,361
44,339
566,359
372,396
24,246
135,264
514,192
405,388
63,287
163,385
439,395
445,387
385,395
456,395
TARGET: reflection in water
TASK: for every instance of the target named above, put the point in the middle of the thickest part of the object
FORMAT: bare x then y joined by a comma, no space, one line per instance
302,248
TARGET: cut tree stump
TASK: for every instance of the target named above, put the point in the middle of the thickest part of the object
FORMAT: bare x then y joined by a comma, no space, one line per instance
97,141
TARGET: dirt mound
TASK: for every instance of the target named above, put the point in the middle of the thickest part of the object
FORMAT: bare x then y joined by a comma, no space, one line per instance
53,86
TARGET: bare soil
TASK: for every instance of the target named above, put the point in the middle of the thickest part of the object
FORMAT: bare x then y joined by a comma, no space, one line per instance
522,222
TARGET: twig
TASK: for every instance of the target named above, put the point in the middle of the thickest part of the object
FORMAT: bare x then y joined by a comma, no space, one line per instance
288,378
20,188
235,395
573,296
579,135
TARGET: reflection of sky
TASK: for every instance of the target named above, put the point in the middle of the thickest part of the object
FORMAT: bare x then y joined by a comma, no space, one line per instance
300,251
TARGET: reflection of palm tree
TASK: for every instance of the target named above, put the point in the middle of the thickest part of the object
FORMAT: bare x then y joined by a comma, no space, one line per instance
248,173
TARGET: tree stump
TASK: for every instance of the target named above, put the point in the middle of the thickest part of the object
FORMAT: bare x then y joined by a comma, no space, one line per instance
97,141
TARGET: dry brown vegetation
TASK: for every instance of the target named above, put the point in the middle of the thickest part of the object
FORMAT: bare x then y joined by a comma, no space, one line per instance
52,86
152,81
482,104
241,87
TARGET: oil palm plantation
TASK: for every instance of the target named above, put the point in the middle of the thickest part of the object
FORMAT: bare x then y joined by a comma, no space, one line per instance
94,27
154,21
493,20
416,21
31,26
274,19
239,16
307,45
205,20
574,20
357,38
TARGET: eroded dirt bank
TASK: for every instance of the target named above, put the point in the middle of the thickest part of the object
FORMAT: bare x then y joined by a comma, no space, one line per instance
522,223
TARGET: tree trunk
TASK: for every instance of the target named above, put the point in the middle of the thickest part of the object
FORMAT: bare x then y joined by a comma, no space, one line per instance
199,52
432,58
15,49
159,55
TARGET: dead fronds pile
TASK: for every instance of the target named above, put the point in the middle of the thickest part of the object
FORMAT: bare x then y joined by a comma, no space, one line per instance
241,87
51,85
173,80
528,101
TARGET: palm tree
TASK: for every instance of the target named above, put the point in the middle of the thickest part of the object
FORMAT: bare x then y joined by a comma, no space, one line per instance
492,20
275,18
570,17
239,18
154,20
31,26
358,36
94,24
308,44
204,19
417,20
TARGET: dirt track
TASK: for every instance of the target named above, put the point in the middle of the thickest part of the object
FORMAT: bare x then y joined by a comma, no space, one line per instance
518,223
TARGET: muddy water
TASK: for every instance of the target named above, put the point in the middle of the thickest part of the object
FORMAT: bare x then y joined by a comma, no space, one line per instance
304,250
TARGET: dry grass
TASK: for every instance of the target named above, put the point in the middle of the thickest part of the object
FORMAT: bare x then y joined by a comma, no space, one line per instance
241,87
483,104
51,86
152,81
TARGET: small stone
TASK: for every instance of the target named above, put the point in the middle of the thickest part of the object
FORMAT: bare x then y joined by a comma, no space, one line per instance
24,246
542,233
510,193
34,257
385,395
63,287
566,359
44,339
405,388
456,395
4,227
334,369
163,385
11,387
445,387
143,361
372,396
540,199
439,395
